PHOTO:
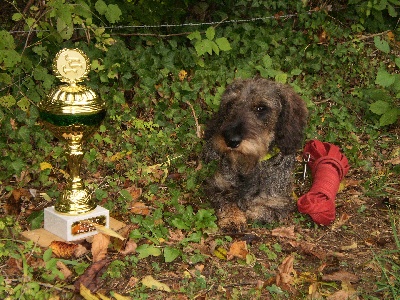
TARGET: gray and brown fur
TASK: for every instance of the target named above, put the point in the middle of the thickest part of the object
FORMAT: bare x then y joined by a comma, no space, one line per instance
255,116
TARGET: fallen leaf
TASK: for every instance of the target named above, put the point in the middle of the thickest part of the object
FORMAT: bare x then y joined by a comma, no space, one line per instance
133,281
91,278
175,236
80,251
150,282
309,248
237,249
45,165
63,249
341,221
130,248
139,208
285,232
341,276
100,246
349,247
120,297
64,269
87,294
107,231
346,293
135,192
286,273
102,297
221,253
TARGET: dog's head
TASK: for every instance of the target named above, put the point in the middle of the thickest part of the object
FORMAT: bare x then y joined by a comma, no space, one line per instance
254,116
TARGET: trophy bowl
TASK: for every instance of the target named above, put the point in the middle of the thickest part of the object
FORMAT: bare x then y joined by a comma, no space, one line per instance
72,113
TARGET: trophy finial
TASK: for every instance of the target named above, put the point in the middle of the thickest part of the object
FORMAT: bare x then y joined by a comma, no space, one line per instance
71,65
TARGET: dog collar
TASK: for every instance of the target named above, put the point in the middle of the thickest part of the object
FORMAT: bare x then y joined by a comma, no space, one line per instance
274,152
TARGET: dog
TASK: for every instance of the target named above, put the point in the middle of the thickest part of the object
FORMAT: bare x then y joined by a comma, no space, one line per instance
254,137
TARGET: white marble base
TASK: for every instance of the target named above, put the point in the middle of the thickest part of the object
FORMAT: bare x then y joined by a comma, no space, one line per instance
72,228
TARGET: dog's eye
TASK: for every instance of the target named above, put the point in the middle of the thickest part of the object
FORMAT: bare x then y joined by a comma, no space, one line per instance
261,109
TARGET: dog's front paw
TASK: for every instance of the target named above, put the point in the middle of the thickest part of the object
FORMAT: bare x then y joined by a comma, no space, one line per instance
270,210
231,218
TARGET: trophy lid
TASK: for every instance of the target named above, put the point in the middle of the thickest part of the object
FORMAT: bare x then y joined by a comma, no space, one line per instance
71,65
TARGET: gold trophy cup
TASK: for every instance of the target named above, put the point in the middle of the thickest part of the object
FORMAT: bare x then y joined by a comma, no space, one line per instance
73,112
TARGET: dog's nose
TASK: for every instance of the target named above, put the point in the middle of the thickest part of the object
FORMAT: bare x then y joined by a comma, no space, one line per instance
233,136
233,142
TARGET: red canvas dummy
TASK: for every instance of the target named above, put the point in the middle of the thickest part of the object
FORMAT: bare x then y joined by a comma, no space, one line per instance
328,167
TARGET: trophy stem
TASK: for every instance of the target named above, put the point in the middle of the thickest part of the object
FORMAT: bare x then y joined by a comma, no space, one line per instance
75,199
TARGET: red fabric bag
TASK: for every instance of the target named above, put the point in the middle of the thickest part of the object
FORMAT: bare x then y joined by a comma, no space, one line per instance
328,167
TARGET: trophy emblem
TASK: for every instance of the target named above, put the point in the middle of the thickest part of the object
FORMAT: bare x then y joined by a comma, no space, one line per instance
73,112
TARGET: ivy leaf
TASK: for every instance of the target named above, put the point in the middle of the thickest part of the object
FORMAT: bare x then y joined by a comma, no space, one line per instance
6,40
397,61
267,61
113,13
296,72
381,44
7,101
101,7
194,35
215,47
392,12
281,77
16,17
210,33
9,58
379,107
24,104
223,44
65,29
389,117
170,254
384,79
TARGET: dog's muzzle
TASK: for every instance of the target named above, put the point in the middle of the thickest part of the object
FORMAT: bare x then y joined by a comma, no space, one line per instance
233,135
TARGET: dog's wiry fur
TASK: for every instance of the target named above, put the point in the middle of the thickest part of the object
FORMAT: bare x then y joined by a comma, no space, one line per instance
255,117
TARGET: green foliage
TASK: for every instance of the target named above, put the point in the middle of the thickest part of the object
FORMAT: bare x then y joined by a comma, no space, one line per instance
161,85
384,106
209,45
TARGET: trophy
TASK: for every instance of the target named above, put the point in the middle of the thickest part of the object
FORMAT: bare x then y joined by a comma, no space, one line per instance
73,112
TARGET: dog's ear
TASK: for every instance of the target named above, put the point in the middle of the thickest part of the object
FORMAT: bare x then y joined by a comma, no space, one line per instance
292,121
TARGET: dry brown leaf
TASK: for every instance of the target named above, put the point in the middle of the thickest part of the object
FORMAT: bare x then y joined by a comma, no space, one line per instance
63,249
341,276
286,272
175,236
349,247
237,249
64,269
91,278
285,232
80,251
150,282
130,248
100,246
309,248
346,293
107,231
139,208
133,281
341,221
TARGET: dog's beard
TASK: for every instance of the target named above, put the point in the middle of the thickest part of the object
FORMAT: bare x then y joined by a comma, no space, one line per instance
247,155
